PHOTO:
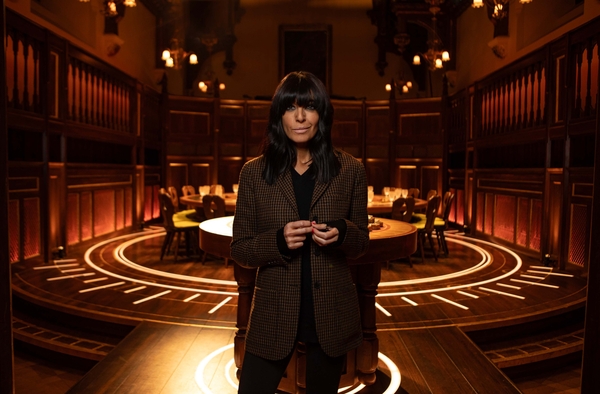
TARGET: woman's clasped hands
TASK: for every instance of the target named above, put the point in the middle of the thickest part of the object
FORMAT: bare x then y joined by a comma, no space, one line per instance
295,233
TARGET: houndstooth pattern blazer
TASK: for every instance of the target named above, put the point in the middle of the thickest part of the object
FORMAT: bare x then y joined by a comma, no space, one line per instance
261,211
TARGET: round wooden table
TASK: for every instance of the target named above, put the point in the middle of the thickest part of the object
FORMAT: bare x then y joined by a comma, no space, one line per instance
195,201
394,239
378,206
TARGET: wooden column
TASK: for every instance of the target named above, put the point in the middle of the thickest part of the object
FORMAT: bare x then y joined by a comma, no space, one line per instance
6,339
591,344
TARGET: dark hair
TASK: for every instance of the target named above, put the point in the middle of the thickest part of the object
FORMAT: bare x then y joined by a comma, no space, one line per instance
303,89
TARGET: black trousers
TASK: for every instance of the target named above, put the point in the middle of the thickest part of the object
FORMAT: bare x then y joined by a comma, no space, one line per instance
262,376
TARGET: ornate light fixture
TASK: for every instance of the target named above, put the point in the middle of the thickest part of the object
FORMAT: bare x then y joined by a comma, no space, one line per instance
400,84
209,83
175,55
499,11
109,7
435,55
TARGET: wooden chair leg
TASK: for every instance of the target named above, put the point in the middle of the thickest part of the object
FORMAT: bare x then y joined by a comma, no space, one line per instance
166,244
178,240
430,237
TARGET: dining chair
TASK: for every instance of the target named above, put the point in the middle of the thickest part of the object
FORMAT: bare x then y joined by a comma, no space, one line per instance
431,193
414,192
441,223
214,207
425,227
403,208
174,227
183,214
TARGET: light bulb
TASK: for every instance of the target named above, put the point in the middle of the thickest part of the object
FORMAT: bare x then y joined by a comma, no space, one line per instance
222,86
417,60
477,3
445,56
388,87
166,54
170,62
409,84
193,58
202,85
129,3
438,63
404,89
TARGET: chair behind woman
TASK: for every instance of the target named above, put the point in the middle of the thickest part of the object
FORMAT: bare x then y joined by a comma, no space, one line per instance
414,192
425,227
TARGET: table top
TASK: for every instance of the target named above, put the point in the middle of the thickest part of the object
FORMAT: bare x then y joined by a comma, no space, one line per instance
394,239
195,200
379,205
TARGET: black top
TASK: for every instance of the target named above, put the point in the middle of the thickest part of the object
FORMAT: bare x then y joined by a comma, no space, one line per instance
304,185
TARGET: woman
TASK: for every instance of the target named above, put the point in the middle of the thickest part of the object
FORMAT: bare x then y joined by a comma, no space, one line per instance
301,212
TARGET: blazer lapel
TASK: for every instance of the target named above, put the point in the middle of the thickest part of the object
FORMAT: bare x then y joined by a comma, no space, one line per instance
284,183
318,192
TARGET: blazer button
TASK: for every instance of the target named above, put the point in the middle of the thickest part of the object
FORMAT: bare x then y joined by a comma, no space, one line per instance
317,285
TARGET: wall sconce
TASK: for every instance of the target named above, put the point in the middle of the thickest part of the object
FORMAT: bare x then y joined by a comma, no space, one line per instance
175,55
209,86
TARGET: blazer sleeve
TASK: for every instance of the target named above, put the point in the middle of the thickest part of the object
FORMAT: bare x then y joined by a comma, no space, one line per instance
356,241
252,246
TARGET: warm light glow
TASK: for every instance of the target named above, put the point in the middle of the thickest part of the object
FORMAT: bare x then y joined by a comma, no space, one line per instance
166,54
445,56
409,84
222,86
112,7
388,87
417,60
477,3
201,85
84,1
404,89
525,1
438,63
129,3
170,62
193,58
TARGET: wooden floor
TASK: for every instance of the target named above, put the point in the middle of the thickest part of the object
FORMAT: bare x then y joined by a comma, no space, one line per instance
433,318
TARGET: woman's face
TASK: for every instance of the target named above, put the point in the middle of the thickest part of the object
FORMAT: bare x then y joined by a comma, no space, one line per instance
300,123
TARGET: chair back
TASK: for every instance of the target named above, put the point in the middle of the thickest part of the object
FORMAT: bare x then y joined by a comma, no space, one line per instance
430,214
410,208
447,205
397,209
173,193
187,190
413,192
214,206
217,190
166,208
431,193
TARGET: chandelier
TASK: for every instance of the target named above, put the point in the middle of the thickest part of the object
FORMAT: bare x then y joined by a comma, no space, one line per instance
500,6
435,55
109,7
400,85
209,83
174,56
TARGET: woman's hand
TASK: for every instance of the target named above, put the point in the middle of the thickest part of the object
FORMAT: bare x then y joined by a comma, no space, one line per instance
324,235
295,233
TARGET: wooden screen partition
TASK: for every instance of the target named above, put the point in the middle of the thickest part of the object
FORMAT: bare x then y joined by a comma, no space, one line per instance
536,115
99,201
26,212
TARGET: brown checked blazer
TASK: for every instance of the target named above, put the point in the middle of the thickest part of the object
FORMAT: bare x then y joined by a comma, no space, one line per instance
261,211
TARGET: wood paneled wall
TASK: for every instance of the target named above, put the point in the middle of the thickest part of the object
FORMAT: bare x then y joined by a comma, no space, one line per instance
521,144
85,144
209,140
